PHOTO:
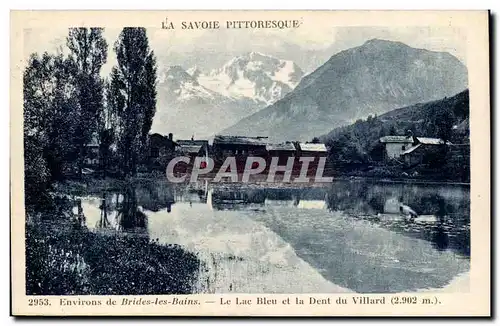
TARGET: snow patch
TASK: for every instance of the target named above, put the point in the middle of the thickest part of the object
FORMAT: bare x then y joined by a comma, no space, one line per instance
245,77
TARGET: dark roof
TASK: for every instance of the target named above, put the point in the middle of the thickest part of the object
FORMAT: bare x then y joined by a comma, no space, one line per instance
240,140
189,142
156,135
162,138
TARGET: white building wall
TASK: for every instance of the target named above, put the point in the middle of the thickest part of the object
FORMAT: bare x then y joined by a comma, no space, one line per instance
394,150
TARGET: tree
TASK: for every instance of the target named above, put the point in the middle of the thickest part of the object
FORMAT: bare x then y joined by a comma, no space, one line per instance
49,101
345,149
443,124
132,94
377,152
88,51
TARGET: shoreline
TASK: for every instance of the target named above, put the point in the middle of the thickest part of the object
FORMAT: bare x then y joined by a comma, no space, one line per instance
403,181
114,183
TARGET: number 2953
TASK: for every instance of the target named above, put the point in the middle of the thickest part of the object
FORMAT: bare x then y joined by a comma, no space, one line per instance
38,302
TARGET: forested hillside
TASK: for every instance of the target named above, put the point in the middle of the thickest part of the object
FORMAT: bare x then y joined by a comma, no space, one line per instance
447,118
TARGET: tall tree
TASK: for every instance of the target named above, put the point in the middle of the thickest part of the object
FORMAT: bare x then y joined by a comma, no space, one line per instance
89,51
132,94
49,100
443,124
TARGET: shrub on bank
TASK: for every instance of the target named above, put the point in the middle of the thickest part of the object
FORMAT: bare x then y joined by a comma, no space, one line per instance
70,260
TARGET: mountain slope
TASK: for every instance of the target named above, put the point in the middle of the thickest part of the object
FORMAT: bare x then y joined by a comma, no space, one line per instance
373,78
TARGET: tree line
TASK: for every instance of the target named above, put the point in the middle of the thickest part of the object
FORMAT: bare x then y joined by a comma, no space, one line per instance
68,105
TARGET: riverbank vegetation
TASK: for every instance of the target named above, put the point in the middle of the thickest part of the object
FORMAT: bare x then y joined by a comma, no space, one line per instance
68,259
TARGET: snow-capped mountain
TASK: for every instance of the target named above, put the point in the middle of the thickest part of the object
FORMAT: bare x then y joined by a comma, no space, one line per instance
262,78
194,72
192,102
179,85
186,108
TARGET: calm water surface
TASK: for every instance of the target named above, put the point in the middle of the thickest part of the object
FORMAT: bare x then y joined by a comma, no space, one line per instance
348,236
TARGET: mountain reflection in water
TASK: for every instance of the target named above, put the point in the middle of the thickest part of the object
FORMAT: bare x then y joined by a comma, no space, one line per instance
358,235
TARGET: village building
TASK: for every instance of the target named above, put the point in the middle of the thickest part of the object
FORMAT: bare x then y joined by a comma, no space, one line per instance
312,149
224,146
395,146
410,149
234,151
96,153
283,151
193,148
160,145
161,149
422,148
92,153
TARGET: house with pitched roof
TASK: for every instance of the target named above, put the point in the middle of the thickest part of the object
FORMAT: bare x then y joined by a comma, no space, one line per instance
240,145
395,146
312,149
410,149
192,147
283,151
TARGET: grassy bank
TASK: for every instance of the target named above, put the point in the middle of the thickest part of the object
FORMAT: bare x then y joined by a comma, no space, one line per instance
67,259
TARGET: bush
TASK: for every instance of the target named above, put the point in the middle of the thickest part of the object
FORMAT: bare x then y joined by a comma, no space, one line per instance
74,261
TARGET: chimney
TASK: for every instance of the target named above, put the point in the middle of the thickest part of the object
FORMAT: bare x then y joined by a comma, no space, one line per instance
170,136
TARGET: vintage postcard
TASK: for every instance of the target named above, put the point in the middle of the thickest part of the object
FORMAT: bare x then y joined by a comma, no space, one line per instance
250,163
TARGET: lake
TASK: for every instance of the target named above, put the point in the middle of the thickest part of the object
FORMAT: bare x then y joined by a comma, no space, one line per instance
346,236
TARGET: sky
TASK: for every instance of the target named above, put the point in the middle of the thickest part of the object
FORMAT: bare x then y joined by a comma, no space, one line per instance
309,46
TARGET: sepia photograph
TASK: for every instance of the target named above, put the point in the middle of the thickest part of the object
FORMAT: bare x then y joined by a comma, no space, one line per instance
249,155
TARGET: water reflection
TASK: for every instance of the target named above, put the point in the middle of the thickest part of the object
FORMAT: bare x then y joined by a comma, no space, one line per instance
121,211
364,236
439,214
